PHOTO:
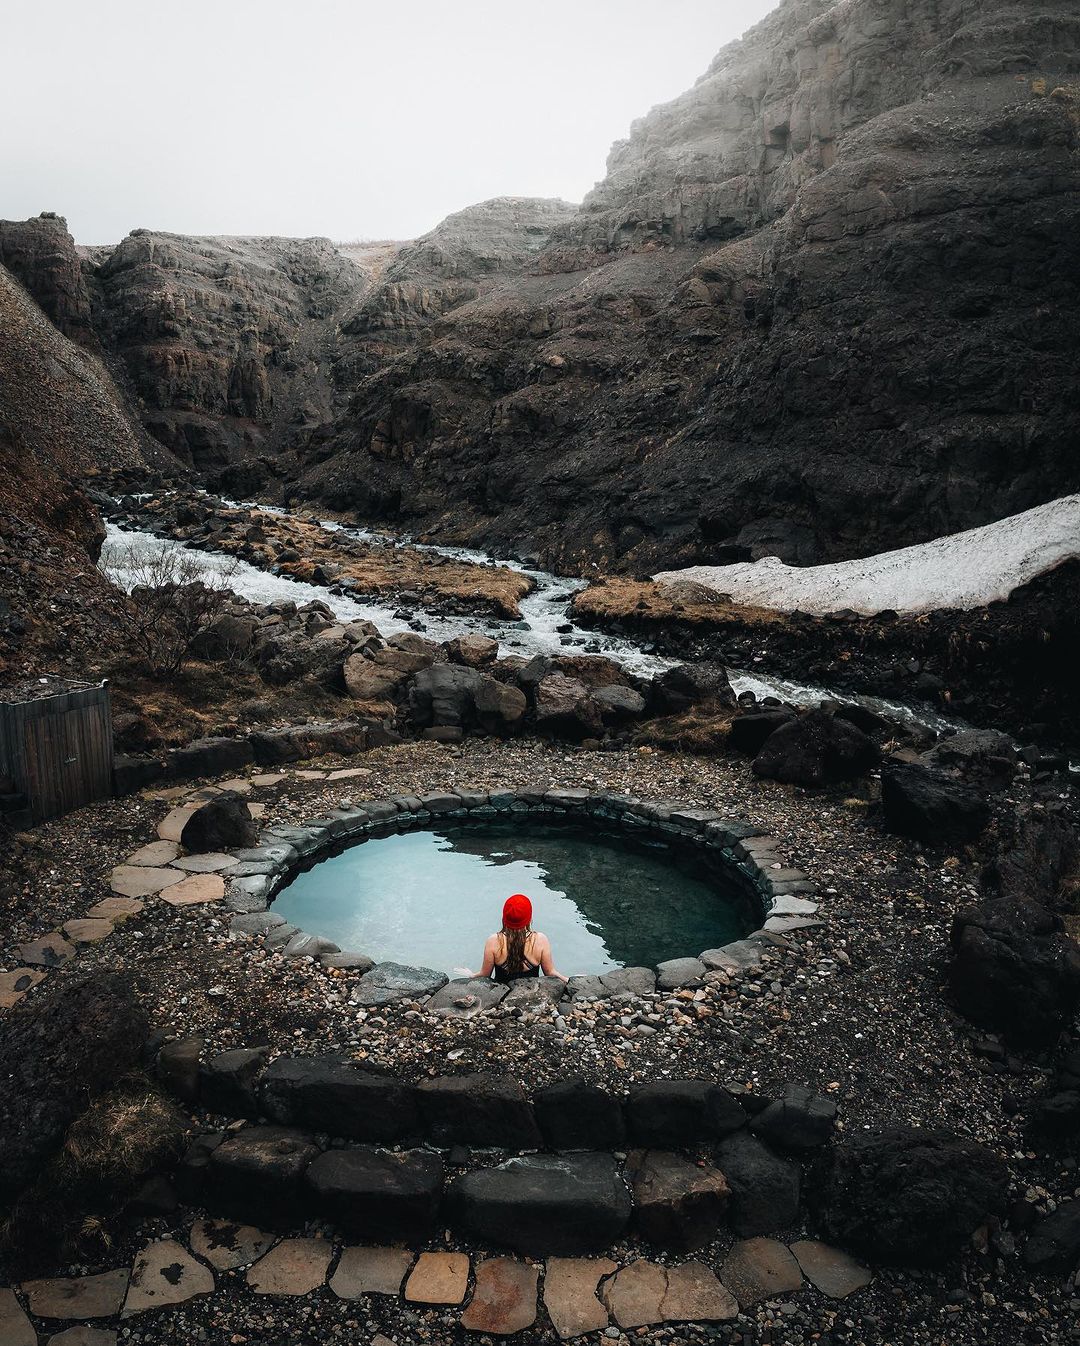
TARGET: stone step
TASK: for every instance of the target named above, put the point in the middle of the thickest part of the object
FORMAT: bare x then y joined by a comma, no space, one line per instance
578,1294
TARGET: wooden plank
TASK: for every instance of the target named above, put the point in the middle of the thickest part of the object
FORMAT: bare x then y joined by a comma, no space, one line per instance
59,749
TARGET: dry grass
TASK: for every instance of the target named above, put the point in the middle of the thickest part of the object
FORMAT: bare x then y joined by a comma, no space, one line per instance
701,730
614,598
121,1139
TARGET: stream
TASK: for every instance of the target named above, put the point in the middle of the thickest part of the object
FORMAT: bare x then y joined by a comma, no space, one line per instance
546,625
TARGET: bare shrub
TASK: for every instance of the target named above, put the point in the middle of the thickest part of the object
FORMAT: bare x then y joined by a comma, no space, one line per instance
165,600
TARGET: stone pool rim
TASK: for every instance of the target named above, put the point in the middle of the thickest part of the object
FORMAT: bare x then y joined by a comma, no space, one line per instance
784,894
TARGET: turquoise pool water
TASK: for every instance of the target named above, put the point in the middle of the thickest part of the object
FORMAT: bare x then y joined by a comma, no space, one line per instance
605,899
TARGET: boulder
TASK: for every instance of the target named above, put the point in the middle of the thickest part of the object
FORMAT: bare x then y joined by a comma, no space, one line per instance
474,651
499,708
177,1067
670,1114
388,983
565,707
677,1204
222,824
296,742
675,972
927,804
576,1115
227,1081
337,1095
750,729
58,1051
1054,1243
444,696
133,772
378,1195
981,754
481,1111
212,757
618,704
685,685
816,749
257,1173
909,1196
799,1120
227,637
540,1205
1013,969
1042,850
368,681
764,1188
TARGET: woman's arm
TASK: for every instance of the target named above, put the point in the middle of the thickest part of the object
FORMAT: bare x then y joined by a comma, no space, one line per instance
490,950
547,966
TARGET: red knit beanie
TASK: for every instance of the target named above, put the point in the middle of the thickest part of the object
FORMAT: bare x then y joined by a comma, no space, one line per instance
517,912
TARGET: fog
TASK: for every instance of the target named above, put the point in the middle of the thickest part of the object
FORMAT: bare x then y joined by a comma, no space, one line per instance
352,120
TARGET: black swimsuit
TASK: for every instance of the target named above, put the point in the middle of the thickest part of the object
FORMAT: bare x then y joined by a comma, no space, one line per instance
500,973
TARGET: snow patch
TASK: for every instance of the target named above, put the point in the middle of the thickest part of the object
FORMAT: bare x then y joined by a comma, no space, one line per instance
962,570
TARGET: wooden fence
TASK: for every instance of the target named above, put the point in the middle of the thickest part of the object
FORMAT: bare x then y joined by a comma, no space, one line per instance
58,748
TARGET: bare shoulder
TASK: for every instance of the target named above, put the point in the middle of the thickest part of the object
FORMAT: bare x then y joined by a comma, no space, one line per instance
539,938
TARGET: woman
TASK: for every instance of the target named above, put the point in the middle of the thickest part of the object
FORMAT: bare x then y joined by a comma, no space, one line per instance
517,950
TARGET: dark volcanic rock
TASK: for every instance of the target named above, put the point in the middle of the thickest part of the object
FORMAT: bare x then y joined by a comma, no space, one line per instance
685,685
818,748
764,1188
222,824
1041,851
1014,969
257,1174
750,729
58,1051
293,743
540,1205
478,1111
910,1196
673,1113
334,1094
212,757
576,1115
378,1195
227,1081
799,1120
1054,1242
923,802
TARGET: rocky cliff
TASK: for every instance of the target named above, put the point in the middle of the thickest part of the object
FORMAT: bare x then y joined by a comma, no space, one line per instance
823,304
223,340
61,420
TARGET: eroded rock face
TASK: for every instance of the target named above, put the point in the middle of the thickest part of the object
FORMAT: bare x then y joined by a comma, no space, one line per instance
210,333
852,196
41,254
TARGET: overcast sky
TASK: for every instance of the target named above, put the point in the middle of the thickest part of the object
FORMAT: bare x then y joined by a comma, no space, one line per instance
353,120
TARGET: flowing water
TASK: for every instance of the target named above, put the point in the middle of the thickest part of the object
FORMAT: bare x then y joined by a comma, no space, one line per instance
543,611
605,900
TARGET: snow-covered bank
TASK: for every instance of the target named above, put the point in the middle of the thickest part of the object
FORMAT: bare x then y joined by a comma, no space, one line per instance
963,570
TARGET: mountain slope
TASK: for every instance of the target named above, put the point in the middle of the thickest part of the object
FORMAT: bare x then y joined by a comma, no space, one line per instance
825,303
61,420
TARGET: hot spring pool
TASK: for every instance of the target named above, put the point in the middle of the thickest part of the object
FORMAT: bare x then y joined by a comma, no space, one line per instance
430,898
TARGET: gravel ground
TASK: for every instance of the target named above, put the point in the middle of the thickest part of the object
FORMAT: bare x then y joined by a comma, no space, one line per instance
855,1008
